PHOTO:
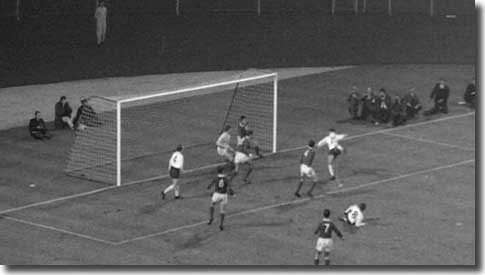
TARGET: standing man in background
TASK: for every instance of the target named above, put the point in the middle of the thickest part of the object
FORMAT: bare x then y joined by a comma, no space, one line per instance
101,14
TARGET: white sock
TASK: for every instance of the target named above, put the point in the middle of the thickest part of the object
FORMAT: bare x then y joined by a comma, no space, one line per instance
168,189
176,191
330,170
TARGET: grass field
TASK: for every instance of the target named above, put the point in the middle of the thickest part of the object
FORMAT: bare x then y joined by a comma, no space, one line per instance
417,180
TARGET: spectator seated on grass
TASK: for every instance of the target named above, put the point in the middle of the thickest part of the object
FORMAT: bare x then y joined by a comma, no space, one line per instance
63,114
470,95
369,106
37,127
440,95
413,106
398,112
354,101
85,116
384,107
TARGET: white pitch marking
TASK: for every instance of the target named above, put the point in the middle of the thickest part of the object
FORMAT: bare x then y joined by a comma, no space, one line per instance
59,230
215,165
430,141
262,208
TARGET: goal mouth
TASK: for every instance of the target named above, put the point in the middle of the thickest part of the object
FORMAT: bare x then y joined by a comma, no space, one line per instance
130,139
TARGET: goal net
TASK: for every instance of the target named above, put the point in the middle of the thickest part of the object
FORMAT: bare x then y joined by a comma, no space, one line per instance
130,139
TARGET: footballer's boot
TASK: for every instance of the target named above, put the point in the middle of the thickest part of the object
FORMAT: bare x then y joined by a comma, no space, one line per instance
297,194
162,194
210,221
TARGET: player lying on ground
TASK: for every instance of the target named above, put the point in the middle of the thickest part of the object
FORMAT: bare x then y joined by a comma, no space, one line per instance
243,155
222,188
324,241
334,150
306,169
354,215
223,148
175,168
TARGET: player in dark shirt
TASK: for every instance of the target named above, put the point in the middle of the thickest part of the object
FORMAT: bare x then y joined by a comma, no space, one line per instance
242,129
306,169
325,242
222,188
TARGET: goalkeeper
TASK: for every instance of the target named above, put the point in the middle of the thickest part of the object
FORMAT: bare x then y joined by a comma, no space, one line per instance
222,188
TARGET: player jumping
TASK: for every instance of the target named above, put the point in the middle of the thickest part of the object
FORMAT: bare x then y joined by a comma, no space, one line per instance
222,188
306,169
354,215
175,168
223,148
334,150
325,242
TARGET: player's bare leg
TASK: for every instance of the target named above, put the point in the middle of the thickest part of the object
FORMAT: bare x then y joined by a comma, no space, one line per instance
211,214
222,212
316,261
331,170
300,184
250,169
326,257
309,193
170,188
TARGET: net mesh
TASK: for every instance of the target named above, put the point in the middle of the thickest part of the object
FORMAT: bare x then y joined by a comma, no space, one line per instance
152,128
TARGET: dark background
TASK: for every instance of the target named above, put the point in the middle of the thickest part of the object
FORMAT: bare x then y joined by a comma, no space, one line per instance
55,40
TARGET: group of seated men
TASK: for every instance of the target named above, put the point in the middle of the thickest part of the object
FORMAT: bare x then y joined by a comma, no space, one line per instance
63,118
381,108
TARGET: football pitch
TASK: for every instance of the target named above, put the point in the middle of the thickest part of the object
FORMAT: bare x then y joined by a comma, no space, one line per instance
417,180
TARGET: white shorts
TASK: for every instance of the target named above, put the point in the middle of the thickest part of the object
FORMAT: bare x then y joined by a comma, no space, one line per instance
305,170
219,197
324,245
224,152
241,158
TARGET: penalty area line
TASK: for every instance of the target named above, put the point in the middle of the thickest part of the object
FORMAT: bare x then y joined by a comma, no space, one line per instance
78,195
271,206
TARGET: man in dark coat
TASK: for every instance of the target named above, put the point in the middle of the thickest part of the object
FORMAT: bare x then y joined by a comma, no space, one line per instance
471,95
440,95
412,104
37,127
63,114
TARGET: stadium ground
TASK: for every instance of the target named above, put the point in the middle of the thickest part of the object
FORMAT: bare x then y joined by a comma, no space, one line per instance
418,182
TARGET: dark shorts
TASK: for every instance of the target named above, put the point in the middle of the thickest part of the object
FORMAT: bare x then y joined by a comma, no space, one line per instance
335,152
174,173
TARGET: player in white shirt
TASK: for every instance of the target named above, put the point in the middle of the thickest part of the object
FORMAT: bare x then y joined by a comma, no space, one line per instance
175,168
223,148
354,215
101,15
334,149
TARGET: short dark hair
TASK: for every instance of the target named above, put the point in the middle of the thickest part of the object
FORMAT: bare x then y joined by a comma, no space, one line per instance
179,147
227,127
331,130
63,98
36,112
362,206
311,143
242,117
326,213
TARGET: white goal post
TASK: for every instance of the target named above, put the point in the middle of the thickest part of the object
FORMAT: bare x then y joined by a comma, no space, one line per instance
130,139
